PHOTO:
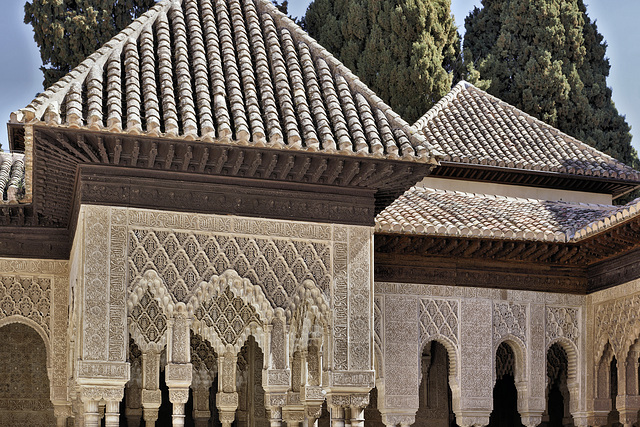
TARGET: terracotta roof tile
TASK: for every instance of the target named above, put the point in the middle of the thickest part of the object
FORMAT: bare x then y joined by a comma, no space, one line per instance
235,71
470,126
454,213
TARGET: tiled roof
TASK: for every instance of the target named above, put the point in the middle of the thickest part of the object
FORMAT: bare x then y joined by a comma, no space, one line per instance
11,177
234,71
452,213
472,127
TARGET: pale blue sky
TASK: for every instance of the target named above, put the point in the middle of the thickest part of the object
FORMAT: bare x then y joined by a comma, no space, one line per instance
21,79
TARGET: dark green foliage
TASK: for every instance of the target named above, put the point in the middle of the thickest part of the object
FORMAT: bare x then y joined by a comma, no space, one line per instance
405,50
67,31
547,58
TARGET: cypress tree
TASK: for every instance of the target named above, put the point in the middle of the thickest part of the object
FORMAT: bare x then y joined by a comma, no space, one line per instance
67,31
404,50
548,59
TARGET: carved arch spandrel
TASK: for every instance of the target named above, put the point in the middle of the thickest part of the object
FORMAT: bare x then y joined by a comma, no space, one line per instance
150,305
233,291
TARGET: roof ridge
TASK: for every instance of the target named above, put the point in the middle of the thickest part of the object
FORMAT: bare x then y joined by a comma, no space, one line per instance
439,106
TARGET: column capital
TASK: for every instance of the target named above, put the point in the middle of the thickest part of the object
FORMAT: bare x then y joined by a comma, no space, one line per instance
473,418
395,419
96,393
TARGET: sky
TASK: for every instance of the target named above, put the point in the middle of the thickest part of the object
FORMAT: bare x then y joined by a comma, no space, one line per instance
21,78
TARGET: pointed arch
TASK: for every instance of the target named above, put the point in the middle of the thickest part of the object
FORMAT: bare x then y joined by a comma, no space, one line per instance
310,309
572,356
519,351
150,305
452,352
246,302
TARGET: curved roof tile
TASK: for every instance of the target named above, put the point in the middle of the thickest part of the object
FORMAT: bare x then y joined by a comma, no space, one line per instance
236,71
470,126
11,177
453,213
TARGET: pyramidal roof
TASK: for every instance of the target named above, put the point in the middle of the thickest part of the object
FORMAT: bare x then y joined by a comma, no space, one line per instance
232,71
473,127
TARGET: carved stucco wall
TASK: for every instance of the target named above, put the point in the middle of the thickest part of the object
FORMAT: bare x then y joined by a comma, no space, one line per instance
188,249
613,323
471,323
35,292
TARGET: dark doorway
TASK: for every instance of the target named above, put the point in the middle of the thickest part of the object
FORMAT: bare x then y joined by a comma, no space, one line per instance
505,395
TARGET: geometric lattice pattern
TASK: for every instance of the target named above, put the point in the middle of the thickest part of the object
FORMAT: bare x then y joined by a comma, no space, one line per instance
28,297
203,356
184,260
228,315
149,317
438,317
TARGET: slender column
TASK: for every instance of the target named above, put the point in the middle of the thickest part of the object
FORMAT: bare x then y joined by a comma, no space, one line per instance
112,413
227,397
91,413
179,371
275,417
133,410
133,395
178,397
337,415
151,398
201,384
312,413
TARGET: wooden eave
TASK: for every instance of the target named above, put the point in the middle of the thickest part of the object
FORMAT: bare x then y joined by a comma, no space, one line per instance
532,178
609,258
74,166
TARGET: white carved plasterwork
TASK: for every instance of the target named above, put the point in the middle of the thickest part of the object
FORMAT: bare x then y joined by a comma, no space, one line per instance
227,309
340,298
26,296
37,291
185,259
377,324
149,305
562,322
509,320
278,257
485,318
96,284
438,318
360,278
617,323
